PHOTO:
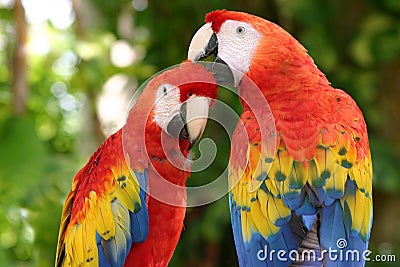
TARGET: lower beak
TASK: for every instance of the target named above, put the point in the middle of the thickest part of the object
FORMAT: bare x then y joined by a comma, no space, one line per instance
190,123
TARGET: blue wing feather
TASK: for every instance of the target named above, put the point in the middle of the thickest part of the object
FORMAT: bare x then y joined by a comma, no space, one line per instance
139,220
237,230
105,211
258,251
113,252
103,261
336,233
332,226
334,223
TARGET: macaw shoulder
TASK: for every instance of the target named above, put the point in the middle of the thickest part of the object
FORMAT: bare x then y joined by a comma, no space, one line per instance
344,121
97,176
105,211
308,119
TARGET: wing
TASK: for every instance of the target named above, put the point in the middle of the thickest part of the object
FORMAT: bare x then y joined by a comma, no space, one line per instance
261,222
318,189
105,212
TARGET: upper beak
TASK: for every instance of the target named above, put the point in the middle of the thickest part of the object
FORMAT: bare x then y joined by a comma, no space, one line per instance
203,44
190,123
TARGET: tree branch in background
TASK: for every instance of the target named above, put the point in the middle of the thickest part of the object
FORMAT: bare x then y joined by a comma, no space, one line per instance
79,28
92,135
19,63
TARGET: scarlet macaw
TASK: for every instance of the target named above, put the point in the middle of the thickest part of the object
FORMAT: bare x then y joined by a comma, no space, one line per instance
317,195
109,219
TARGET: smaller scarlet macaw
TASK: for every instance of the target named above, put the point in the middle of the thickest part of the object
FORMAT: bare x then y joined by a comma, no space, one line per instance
119,210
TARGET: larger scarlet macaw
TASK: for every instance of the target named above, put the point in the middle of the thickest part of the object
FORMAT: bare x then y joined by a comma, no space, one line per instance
109,219
317,195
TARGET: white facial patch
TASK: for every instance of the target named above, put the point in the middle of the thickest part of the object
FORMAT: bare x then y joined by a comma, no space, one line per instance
167,105
236,44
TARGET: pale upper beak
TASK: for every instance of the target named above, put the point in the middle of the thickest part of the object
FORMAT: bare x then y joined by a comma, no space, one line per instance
191,121
203,44
196,117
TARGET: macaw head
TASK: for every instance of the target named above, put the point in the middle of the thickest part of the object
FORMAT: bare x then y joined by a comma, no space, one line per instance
177,102
242,41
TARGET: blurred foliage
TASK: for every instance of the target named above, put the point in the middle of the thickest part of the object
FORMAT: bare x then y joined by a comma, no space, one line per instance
356,43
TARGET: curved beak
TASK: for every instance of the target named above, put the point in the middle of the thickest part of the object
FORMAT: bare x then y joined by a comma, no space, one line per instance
203,44
191,121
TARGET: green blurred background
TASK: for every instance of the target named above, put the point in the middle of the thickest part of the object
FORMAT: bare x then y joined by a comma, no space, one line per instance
69,67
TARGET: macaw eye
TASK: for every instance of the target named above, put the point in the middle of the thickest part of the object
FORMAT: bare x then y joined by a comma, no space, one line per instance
189,94
165,90
240,30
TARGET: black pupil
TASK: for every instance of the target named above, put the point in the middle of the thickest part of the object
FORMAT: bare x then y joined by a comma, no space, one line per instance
240,29
165,90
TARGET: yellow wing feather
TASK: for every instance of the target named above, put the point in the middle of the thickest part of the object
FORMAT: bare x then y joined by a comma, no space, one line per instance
332,165
98,204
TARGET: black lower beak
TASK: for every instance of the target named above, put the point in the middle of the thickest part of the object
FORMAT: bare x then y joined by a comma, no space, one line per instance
211,48
177,127
222,73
